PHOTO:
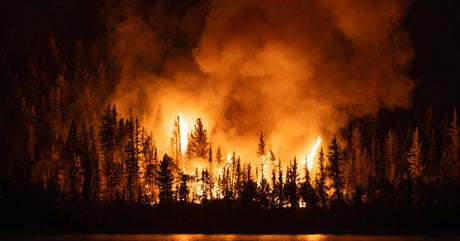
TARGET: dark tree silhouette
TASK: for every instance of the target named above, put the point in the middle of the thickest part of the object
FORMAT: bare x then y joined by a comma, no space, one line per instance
184,190
291,189
71,160
307,192
132,161
165,180
108,138
334,169
320,181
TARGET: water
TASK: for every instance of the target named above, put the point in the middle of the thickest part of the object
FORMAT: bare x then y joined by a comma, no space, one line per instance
224,237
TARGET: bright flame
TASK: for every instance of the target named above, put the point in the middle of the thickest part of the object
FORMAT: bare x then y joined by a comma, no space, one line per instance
310,157
185,130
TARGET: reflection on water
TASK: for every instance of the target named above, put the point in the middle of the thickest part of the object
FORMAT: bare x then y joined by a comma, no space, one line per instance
224,237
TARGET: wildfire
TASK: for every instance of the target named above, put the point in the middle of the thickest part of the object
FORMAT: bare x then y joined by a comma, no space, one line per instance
311,156
229,159
185,130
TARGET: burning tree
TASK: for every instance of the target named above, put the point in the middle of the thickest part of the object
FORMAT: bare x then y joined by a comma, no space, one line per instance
414,157
176,140
198,141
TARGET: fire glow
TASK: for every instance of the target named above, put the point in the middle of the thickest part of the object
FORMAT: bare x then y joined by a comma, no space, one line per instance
185,131
310,158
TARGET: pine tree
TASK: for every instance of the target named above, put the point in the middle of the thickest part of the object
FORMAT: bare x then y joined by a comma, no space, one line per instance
184,191
70,154
307,192
249,189
263,194
132,151
334,168
211,172
86,163
238,179
205,185
450,163
176,139
273,161
321,179
359,166
279,187
108,138
414,157
392,158
94,157
198,141
165,180
261,145
149,155
290,188
261,153
219,157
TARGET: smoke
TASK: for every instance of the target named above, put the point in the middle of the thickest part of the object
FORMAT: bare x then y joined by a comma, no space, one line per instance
292,69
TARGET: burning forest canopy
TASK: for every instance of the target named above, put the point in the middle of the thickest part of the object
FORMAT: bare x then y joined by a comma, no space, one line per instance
292,70
257,82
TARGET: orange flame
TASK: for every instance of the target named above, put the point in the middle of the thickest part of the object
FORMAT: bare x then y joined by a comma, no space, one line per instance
309,158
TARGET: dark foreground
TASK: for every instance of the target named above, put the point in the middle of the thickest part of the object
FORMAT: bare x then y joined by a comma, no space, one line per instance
222,217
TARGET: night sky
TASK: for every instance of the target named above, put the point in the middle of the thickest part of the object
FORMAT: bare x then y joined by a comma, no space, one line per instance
435,31
434,28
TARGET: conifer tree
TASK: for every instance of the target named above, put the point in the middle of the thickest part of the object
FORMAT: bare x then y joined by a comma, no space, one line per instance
261,145
165,180
359,166
94,165
279,188
198,141
132,151
149,155
176,139
392,158
320,181
249,188
290,188
183,189
414,157
219,157
71,158
86,165
211,172
263,194
335,169
307,192
450,163
238,179
261,154
108,139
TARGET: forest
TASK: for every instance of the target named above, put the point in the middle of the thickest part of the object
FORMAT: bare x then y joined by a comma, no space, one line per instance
71,162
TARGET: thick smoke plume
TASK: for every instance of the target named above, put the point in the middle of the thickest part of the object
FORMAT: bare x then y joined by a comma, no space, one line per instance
292,69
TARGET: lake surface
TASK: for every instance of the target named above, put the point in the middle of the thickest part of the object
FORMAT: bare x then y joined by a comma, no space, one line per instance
224,237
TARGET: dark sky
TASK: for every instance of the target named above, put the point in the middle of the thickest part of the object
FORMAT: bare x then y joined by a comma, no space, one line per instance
434,27
435,30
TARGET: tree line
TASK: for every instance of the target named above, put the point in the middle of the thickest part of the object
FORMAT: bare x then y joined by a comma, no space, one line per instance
65,146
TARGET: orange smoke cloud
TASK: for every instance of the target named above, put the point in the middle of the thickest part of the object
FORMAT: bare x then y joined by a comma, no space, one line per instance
292,69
